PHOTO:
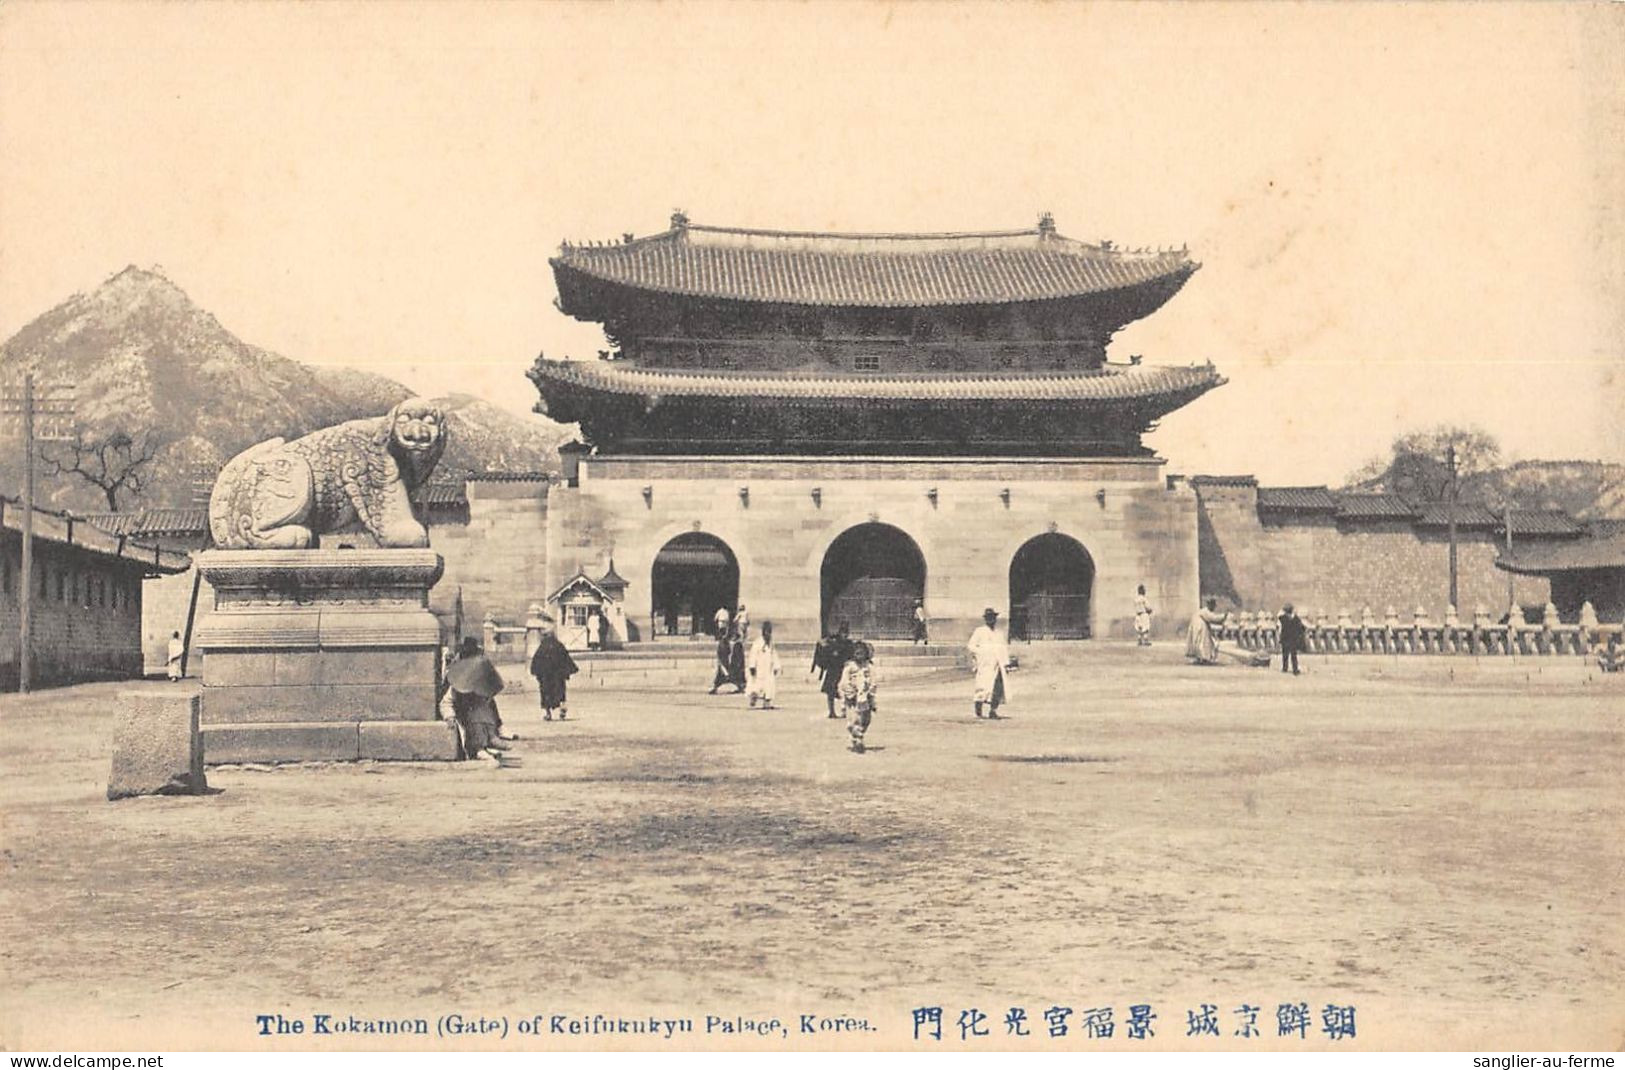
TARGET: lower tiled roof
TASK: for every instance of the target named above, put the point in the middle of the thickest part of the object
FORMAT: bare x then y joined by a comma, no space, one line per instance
1374,507
1224,481
1297,499
1468,515
1543,522
1140,382
79,532
153,522
441,494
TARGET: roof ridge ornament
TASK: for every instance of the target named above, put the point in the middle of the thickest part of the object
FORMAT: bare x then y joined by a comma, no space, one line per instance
679,219
1046,224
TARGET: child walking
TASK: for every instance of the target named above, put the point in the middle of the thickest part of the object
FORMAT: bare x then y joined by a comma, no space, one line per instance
858,690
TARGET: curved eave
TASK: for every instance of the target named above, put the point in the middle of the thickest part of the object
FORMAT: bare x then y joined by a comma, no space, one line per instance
1148,387
589,293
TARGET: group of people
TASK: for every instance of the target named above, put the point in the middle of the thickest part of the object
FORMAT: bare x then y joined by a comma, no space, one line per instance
844,667
747,666
474,682
845,671
847,675
1202,639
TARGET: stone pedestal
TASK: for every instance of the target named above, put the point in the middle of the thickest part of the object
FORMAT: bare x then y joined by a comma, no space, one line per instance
321,655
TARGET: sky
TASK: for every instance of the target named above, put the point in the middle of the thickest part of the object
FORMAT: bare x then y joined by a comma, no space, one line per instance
1406,214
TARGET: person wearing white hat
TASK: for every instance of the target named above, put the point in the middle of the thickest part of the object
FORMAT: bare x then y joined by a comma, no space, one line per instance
989,653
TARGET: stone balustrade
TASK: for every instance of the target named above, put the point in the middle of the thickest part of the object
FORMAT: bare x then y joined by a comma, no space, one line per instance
1343,634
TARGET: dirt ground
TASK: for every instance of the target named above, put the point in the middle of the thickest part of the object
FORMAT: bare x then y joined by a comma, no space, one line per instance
1435,842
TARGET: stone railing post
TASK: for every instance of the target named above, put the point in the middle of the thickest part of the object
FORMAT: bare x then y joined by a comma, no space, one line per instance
1516,629
488,629
1452,624
1588,627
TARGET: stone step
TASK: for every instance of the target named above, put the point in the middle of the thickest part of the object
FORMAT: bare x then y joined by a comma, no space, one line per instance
329,741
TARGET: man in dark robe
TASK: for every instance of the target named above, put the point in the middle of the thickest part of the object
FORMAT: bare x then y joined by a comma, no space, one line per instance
1294,638
552,666
829,660
736,660
475,684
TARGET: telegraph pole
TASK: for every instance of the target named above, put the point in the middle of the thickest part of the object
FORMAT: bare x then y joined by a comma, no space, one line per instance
1512,593
58,403
1450,519
25,590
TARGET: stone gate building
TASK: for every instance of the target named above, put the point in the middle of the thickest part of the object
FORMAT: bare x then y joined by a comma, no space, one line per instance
826,428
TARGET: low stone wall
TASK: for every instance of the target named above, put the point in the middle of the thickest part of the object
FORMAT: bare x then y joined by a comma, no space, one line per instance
1344,634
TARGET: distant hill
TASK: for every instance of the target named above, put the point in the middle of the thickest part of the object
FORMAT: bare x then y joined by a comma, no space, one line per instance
1586,490
145,358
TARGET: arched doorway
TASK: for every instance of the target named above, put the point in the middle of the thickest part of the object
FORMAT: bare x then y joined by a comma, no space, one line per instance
694,575
1051,580
871,577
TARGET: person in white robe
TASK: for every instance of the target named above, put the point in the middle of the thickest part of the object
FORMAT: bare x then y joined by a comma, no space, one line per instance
177,654
1201,641
990,653
1142,617
763,668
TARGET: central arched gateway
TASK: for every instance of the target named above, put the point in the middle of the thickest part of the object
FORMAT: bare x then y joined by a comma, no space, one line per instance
694,575
1052,578
871,578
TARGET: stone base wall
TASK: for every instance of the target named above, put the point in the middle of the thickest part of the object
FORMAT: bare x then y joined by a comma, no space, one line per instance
779,516
497,560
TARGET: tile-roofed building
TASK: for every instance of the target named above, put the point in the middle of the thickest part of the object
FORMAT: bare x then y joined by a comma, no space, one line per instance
734,340
766,391
1589,568
87,597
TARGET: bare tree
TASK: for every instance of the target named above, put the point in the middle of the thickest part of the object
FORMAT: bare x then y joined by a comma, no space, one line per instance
1417,465
111,462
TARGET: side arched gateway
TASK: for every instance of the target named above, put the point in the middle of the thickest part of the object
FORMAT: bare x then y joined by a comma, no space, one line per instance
694,575
871,577
1052,580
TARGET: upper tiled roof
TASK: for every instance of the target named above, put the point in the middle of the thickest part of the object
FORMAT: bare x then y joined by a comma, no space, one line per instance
1297,499
867,270
1140,382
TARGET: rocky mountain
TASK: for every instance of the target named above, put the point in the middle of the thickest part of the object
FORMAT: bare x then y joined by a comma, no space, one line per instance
148,362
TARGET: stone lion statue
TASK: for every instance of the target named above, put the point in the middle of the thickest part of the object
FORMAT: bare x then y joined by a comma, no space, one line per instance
281,495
